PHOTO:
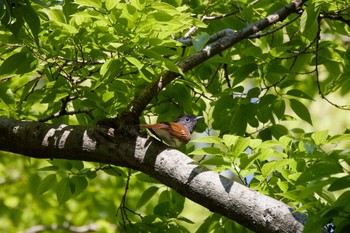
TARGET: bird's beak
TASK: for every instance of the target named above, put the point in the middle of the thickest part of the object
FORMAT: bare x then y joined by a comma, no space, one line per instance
198,117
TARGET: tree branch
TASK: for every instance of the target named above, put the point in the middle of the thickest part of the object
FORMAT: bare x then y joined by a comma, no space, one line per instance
125,147
135,108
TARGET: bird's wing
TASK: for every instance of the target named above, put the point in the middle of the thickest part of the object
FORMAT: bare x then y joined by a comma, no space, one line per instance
179,131
176,130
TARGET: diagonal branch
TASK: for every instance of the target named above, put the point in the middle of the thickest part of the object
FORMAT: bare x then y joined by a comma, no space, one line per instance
135,108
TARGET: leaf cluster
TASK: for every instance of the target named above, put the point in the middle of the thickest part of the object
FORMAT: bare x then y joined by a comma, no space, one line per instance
79,61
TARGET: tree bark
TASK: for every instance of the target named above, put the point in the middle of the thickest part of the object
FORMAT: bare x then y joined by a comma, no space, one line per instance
125,146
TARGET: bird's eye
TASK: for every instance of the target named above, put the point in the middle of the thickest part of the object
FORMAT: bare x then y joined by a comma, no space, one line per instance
188,119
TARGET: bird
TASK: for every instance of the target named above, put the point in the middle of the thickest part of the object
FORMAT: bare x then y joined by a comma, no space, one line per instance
174,134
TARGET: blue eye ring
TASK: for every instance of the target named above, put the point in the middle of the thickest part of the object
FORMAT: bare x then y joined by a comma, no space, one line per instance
188,119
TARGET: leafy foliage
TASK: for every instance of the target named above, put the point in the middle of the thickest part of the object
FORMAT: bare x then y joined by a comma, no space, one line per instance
79,61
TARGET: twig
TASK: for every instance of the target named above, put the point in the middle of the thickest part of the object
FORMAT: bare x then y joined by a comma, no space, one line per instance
275,29
122,206
193,29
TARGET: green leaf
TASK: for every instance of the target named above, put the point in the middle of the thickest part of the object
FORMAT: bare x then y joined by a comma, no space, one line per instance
115,171
207,151
146,178
200,41
309,20
177,204
242,72
110,68
278,130
34,182
216,160
89,3
240,145
6,95
53,96
135,62
229,139
80,184
62,164
300,110
320,170
47,183
172,66
298,93
161,17
55,15
269,167
146,196
63,191
247,160
48,168
320,137
210,223
77,164
110,4
162,208
339,138
139,4
279,107
340,183
32,19
18,63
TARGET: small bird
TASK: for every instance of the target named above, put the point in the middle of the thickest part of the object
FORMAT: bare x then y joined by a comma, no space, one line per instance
176,133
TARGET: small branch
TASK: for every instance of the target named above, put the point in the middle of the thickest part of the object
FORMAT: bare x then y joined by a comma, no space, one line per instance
226,75
337,15
192,30
275,29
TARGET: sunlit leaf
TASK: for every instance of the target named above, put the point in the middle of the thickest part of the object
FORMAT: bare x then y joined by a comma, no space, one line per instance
89,3
240,145
207,151
32,19
320,137
272,166
135,62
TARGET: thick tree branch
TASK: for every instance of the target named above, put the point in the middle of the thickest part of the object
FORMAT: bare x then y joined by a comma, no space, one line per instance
124,147
135,108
